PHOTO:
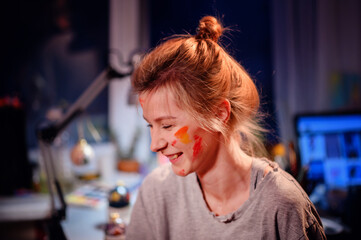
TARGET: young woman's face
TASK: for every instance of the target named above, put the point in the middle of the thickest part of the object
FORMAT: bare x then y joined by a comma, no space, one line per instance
176,135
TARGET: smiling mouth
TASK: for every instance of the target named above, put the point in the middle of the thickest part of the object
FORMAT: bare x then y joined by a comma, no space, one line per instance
173,157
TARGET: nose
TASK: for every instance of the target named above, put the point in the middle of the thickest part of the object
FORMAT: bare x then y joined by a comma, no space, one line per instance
158,143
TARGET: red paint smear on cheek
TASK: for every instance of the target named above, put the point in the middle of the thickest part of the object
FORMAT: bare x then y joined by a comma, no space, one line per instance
174,142
197,147
141,101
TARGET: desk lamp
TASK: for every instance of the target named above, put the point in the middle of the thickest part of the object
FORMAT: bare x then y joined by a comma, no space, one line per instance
47,132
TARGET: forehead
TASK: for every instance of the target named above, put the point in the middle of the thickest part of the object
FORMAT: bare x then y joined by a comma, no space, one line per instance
159,102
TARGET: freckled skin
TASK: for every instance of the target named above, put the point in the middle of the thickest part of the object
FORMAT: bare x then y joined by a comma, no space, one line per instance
182,135
197,147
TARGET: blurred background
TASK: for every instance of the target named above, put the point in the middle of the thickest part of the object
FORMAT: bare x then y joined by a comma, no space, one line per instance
305,57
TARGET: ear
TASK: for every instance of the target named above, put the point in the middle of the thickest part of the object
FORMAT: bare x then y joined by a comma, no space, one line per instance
224,110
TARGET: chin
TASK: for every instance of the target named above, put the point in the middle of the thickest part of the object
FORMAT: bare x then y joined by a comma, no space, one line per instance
180,171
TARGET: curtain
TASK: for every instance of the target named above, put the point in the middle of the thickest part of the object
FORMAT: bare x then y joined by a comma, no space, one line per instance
317,58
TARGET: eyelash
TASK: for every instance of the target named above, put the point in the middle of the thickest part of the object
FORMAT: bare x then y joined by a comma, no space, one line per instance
164,126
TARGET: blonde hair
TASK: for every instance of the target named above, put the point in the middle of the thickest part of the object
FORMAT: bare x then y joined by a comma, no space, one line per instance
201,74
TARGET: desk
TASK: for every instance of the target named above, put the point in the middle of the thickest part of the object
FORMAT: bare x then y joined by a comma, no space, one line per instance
87,223
84,223
80,223
30,207
20,216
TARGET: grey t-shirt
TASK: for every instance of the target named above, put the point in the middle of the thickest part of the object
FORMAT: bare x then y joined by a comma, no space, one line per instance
173,207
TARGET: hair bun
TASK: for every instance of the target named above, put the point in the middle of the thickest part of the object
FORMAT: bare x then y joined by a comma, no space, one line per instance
209,28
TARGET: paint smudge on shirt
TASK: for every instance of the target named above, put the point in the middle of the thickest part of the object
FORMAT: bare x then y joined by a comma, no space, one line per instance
197,147
182,135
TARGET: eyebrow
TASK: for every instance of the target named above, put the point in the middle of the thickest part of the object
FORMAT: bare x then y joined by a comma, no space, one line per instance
158,119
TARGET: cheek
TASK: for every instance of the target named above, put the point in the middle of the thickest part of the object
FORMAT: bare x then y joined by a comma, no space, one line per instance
174,142
197,147
182,135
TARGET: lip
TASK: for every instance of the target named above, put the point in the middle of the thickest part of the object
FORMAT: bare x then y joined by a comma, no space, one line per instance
174,159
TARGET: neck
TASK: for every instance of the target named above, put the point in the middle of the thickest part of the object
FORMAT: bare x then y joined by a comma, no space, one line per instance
225,184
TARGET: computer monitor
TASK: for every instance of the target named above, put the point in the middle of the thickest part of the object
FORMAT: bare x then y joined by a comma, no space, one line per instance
329,147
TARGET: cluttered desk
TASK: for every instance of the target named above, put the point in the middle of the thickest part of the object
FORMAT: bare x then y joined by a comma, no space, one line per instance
90,207
25,207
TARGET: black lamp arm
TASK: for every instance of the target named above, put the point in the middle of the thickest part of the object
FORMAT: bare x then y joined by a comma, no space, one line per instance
49,131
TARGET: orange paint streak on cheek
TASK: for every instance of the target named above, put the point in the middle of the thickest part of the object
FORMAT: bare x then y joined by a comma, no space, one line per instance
174,142
182,135
197,147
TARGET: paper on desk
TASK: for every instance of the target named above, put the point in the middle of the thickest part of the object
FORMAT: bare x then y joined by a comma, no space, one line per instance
95,194
89,195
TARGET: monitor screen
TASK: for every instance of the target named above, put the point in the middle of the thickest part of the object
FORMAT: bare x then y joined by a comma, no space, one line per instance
329,146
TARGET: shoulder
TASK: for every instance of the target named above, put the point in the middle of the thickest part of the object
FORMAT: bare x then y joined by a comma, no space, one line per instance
162,191
295,213
162,182
149,210
279,185
281,190
160,176
291,191
284,192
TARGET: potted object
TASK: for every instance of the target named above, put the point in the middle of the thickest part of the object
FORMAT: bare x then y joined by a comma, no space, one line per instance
126,160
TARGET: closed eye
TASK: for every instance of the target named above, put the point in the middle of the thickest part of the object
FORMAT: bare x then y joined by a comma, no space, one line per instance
167,126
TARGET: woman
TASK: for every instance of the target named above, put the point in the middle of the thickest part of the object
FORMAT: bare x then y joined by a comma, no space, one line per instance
202,106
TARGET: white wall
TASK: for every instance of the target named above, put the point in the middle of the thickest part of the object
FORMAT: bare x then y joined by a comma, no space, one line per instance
126,35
